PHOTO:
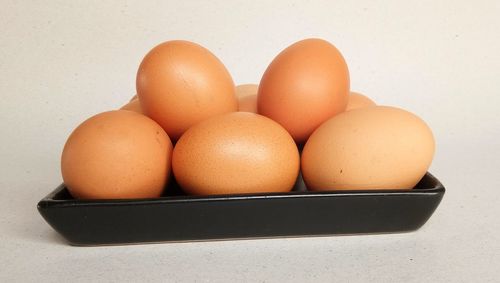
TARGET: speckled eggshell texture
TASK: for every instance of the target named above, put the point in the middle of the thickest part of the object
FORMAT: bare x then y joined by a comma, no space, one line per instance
181,83
117,155
236,153
377,147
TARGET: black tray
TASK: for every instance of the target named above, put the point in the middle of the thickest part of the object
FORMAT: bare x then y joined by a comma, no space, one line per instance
178,217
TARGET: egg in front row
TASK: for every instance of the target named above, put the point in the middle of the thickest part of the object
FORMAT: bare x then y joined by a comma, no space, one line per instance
236,153
370,148
117,154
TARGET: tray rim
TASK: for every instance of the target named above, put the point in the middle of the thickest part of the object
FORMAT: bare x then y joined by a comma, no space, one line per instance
49,201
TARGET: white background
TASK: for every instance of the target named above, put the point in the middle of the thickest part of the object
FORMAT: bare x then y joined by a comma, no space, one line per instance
63,61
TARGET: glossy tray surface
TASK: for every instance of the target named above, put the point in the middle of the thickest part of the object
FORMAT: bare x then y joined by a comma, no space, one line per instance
178,217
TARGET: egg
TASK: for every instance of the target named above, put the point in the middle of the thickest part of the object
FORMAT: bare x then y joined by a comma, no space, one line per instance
377,147
305,85
248,103
236,153
246,89
357,100
133,105
116,155
133,97
180,83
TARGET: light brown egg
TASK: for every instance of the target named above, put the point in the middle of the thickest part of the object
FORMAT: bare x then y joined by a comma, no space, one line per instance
246,89
133,97
236,153
248,103
180,83
377,147
116,155
357,100
305,85
133,105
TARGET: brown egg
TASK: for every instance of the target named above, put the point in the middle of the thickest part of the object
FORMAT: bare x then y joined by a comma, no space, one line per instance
236,153
116,155
377,147
357,100
133,97
246,89
305,85
248,103
180,83
133,105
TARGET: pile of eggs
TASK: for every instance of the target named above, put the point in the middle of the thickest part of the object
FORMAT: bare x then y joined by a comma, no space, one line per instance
190,121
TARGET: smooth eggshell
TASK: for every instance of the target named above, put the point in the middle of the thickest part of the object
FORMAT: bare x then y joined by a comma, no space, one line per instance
246,89
116,155
305,85
248,103
357,100
181,83
378,147
133,105
236,153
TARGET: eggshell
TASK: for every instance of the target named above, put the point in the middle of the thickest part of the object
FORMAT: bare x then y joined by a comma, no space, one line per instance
248,103
236,153
377,147
133,105
180,83
116,155
134,97
246,89
305,85
357,100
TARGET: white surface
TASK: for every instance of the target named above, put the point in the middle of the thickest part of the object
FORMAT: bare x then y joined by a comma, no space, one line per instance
62,61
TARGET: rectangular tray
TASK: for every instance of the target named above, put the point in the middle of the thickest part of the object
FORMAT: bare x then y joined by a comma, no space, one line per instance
178,217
